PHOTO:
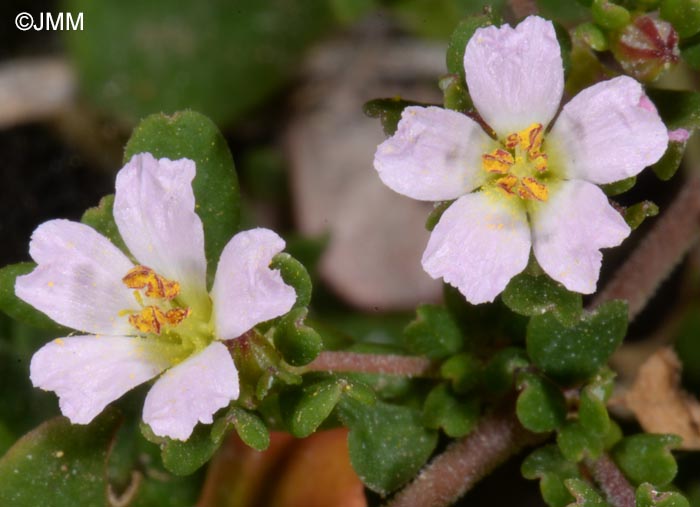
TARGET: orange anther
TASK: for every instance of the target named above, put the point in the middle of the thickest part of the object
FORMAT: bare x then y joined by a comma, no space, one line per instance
498,161
142,277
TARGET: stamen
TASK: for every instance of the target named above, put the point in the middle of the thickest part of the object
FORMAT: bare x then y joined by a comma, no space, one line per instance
498,161
507,183
533,189
142,277
152,319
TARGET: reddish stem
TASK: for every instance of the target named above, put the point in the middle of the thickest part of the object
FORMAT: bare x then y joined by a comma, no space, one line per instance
389,364
618,491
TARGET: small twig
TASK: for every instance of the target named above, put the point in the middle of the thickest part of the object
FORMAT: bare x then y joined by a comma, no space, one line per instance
388,364
617,489
673,235
498,437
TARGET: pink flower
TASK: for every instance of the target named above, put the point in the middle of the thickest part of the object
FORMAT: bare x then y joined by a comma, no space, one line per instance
153,316
531,187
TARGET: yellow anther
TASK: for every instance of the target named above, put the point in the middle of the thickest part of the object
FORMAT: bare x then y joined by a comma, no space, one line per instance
531,139
540,162
532,189
142,277
498,161
507,183
152,319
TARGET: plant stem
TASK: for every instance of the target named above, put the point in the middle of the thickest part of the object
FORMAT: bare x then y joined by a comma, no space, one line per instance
673,235
498,437
618,491
388,364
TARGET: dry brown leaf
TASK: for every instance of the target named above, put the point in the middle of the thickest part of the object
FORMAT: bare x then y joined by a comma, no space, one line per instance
660,403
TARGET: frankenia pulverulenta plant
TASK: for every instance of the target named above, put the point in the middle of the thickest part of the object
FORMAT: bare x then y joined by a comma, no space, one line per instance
522,179
149,314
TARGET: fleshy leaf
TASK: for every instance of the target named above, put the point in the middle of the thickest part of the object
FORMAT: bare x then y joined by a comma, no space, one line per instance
647,496
609,15
454,93
458,42
541,406
18,309
101,219
619,187
684,15
548,465
442,409
584,494
647,458
388,443
463,372
536,295
294,274
668,165
248,425
185,458
315,404
577,352
388,111
434,333
679,109
59,464
191,135
500,372
637,213
298,343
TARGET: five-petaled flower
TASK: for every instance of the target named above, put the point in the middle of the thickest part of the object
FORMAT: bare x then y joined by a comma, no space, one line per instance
154,315
528,186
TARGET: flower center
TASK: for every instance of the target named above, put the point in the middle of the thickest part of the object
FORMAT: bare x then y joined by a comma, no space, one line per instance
162,318
517,168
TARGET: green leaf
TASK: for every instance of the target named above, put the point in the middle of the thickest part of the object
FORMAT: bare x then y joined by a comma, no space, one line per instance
18,309
185,458
584,494
248,425
637,213
458,42
442,409
388,443
667,167
434,333
315,404
684,15
59,464
298,343
454,94
679,109
536,295
619,187
500,372
191,135
591,35
388,111
101,219
577,352
463,372
647,458
609,15
215,57
647,496
541,406
549,466
294,274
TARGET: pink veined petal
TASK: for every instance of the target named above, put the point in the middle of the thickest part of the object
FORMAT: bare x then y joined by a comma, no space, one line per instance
246,291
478,245
191,392
154,209
570,229
78,280
515,75
434,155
608,133
88,372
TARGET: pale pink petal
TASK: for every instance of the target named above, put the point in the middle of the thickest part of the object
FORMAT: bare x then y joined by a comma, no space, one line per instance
434,155
515,75
154,209
246,291
78,282
570,229
191,392
88,372
678,135
479,244
608,132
